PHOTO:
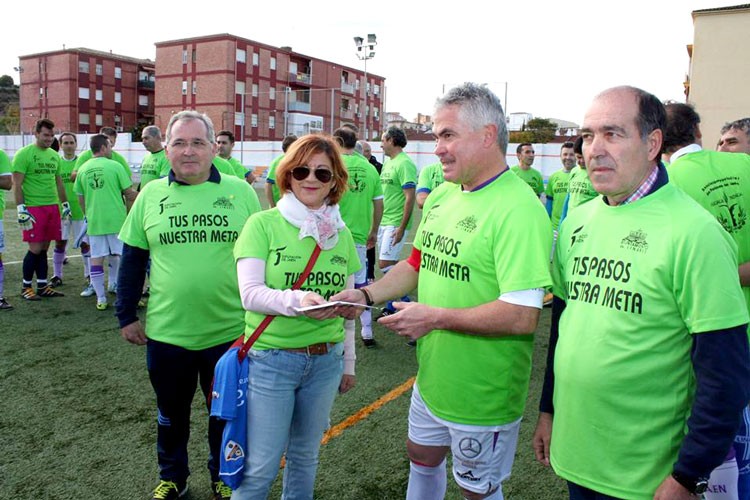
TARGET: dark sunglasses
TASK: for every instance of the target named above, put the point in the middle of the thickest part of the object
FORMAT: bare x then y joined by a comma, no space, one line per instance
322,174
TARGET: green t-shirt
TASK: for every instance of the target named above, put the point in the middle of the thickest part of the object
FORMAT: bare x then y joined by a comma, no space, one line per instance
88,154
101,182
470,243
580,188
154,166
190,232
226,167
271,178
66,167
239,170
4,170
639,280
268,236
720,183
430,177
40,167
356,204
398,173
532,177
557,190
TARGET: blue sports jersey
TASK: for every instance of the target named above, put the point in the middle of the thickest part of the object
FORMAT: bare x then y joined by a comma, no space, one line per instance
229,402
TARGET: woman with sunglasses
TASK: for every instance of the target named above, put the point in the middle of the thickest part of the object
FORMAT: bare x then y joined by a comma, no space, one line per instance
300,360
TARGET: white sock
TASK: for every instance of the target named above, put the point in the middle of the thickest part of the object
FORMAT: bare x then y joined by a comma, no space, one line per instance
366,320
86,264
114,268
426,483
97,281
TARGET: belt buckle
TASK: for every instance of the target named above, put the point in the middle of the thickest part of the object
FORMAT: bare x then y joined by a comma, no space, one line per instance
317,349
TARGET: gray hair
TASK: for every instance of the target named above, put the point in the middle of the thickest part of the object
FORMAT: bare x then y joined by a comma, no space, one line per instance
742,124
192,115
359,148
152,131
479,106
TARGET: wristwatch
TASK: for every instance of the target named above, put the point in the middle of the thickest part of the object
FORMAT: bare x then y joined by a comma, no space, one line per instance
695,485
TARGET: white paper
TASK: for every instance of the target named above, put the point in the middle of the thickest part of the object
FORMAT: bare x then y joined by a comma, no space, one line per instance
334,304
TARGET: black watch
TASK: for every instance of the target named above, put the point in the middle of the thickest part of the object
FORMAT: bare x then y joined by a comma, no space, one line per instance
695,485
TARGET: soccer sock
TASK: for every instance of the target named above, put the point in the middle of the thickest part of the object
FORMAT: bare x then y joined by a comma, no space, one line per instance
86,263
426,483
97,281
366,320
29,265
57,262
2,277
114,268
41,269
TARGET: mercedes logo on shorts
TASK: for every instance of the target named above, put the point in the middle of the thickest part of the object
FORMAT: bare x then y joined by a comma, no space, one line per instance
470,447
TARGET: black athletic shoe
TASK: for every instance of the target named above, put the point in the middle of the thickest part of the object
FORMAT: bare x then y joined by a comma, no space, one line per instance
369,343
55,281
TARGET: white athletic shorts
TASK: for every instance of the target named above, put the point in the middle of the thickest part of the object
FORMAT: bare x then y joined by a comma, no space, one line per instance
2,235
389,251
360,277
71,228
482,455
104,245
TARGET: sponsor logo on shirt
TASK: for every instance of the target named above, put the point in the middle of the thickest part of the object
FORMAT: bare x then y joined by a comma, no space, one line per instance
732,215
224,202
338,260
282,257
470,448
163,205
469,224
233,451
357,183
635,241
578,236
469,476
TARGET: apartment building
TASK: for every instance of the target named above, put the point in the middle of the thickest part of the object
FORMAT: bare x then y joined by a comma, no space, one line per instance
82,90
261,92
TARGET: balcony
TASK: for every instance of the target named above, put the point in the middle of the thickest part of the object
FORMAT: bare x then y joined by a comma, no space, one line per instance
347,113
300,106
347,87
146,84
305,78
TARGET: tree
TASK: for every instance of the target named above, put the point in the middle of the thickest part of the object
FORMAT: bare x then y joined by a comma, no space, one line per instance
542,130
10,120
6,81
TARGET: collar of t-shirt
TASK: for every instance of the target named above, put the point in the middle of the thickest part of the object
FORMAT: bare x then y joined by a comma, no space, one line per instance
487,182
691,148
214,176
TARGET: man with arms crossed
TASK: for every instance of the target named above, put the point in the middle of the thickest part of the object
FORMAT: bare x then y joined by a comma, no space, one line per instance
37,188
650,365
188,220
478,305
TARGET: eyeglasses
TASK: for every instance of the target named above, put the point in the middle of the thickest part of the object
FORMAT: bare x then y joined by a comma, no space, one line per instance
322,174
195,144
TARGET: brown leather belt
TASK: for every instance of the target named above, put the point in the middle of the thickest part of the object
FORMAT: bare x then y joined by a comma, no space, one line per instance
313,349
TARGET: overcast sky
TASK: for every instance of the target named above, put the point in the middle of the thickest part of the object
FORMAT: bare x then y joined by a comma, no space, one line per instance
554,56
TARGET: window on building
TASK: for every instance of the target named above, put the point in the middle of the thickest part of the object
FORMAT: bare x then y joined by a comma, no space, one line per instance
99,95
239,87
142,100
42,67
344,77
271,122
118,119
195,87
41,93
184,87
195,55
239,119
118,72
255,90
344,104
293,67
83,66
99,120
99,70
272,93
241,56
83,118
376,89
83,93
273,63
367,88
255,59
184,56
118,97
254,120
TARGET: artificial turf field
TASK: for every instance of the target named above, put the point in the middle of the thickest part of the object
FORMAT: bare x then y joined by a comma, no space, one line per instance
79,415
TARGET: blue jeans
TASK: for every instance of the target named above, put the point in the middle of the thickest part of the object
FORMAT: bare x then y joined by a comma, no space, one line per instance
174,372
289,398
578,492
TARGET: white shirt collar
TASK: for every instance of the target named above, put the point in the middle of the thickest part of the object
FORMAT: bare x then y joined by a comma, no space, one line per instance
692,148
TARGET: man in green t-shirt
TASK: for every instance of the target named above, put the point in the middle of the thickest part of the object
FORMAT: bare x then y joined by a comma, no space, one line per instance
87,155
225,142
531,176
38,189
557,185
188,220
271,189
720,183
72,227
478,305
155,164
647,369
6,183
101,186
361,209
430,177
735,137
